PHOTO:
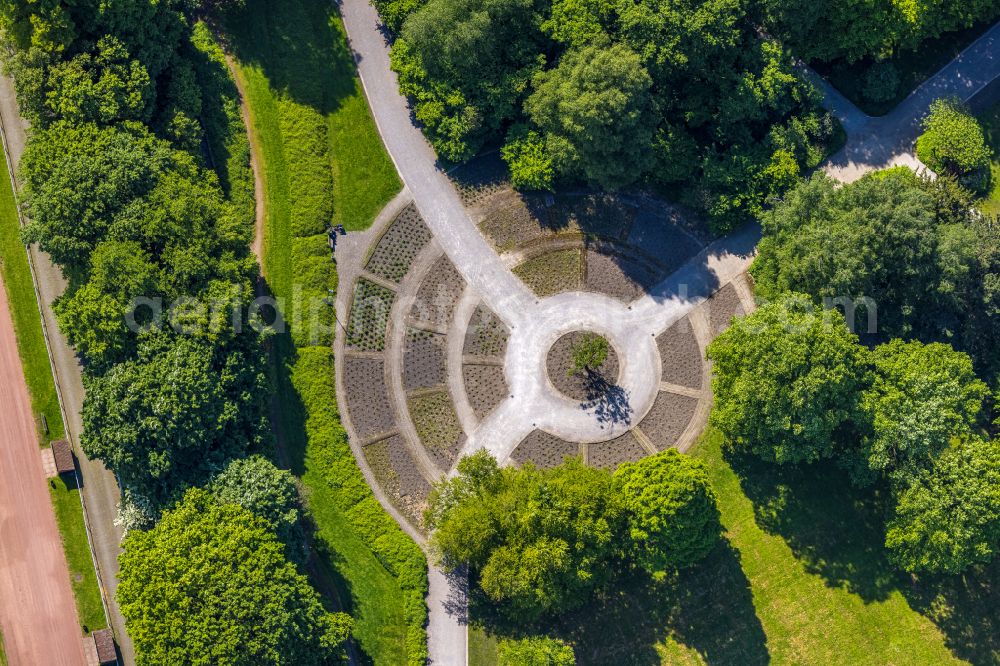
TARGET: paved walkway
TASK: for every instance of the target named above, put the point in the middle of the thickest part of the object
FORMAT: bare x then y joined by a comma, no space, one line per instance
877,143
37,612
100,488
536,323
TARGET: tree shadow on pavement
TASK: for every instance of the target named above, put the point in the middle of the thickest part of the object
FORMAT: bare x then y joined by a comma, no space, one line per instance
608,401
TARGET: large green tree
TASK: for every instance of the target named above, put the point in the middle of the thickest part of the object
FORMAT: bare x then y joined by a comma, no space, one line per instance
873,239
176,412
210,585
922,396
948,518
255,484
670,509
787,380
953,140
537,542
596,115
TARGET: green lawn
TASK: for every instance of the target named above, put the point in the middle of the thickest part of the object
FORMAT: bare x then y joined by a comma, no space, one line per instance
800,578
69,514
990,120
322,162
914,68
294,56
44,400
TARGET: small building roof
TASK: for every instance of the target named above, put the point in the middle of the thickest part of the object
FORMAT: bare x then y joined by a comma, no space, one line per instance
105,643
63,455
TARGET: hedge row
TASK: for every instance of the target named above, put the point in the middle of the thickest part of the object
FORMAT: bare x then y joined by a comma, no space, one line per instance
313,379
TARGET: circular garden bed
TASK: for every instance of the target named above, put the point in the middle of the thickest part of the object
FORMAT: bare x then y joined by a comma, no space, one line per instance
572,368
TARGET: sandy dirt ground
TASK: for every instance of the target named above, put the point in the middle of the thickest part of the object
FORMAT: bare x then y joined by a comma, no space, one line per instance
37,613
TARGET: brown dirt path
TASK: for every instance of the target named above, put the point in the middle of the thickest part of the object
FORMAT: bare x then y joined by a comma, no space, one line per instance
37,613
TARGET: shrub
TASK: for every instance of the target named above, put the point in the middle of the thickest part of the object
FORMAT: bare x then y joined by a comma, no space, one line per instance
881,82
536,651
953,140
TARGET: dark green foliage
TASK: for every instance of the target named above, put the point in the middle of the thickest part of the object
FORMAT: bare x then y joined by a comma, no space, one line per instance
595,113
787,380
313,379
881,82
874,238
948,518
536,651
210,584
842,29
670,509
681,94
921,397
255,484
176,413
537,542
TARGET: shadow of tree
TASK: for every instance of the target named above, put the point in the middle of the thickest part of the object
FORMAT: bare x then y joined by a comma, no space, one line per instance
300,47
607,400
708,609
965,609
835,529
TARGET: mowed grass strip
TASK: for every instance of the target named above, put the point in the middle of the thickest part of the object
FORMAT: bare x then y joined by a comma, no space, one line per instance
45,401
990,120
322,162
811,550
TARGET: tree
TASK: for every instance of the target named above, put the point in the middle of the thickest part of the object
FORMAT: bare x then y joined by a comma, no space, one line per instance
953,140
873,239
588,353
921,397
670,510
948,518
104,87
535,651
177,412
255,484
787,380
596,115
210,584
77,177
530,166
537,542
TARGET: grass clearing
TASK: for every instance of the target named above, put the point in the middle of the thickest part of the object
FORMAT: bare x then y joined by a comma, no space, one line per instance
45,402
914,68
990,120
482,648
553,272
322,163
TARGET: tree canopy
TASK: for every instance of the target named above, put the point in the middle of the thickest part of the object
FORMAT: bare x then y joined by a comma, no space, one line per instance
255,484
535,651
953,140
670,508
921,397
209,584
948,518
787,380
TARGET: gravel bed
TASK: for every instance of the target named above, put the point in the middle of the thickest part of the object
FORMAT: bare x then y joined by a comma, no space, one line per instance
668,418
611,454
367,397
486,335
424,355
512,220
369,316
481,178
581,386
544,450
399,477
722,307
616,276
553,272
438,294
680,355
437,426
399,245
486,387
